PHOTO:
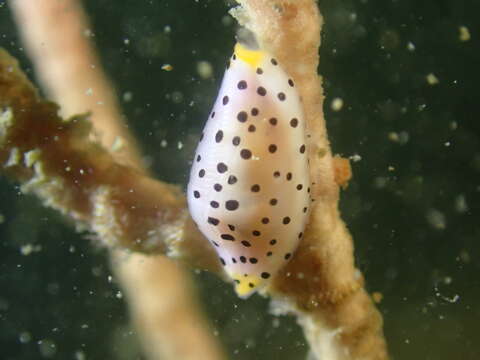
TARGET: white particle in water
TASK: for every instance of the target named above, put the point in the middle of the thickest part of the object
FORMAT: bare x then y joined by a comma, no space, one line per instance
177,97
436,219
127,96
403,137
227,20
422,107
80,355
393,136
336,104
355,158
204,69
464,33
47,348
27,249
380,182
461,205
25,337
88,33
432,79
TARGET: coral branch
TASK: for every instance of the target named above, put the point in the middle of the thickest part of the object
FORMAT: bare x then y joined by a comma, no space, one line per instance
321,284
121,205
70,71
57,160
171,323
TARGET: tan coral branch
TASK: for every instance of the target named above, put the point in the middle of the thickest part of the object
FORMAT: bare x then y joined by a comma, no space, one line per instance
57,36
55,160
321,284
172,325
79,177
109,199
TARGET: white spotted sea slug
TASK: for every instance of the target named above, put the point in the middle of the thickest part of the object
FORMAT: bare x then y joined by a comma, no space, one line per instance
249,187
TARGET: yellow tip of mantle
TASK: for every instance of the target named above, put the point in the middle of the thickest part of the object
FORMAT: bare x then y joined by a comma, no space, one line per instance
246,285
251,57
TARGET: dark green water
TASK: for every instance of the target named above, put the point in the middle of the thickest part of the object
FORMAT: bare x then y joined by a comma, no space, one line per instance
412,207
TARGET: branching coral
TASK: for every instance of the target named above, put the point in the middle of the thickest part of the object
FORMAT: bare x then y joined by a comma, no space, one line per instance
61,162
54,159
321,282
68,66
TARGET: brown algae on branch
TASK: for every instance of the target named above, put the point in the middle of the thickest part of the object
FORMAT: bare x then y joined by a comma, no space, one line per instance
57,160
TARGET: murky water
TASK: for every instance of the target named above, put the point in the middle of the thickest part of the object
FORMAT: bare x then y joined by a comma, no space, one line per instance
401,84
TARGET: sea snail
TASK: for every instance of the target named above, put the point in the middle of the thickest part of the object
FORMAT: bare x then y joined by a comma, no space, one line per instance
249,187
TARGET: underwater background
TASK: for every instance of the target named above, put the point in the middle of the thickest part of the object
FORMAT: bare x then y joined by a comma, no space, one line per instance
401,83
